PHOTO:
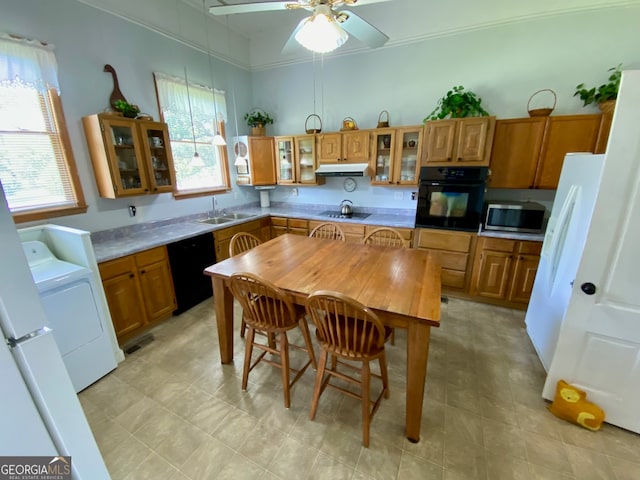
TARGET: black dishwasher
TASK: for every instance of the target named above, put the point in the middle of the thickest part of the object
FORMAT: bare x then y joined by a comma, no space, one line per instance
188,258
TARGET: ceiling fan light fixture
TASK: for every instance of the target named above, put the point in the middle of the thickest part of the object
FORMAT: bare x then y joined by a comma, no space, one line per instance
321,33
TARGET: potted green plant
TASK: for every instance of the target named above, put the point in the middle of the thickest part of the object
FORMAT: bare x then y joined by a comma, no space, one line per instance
258,120
605,95
127,109
458,103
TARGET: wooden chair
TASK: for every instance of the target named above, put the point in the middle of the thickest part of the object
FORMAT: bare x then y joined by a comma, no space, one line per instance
328,230
270,310
386,237
241,242
350,331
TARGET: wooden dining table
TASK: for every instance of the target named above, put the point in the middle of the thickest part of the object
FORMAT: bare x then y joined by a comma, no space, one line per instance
401,285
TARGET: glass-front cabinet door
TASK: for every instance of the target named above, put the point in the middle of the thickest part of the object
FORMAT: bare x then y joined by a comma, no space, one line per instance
126,158
284,156
306,159
156,146
383,156
408,151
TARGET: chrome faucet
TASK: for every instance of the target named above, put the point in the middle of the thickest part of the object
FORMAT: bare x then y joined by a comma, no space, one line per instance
216,212
214,204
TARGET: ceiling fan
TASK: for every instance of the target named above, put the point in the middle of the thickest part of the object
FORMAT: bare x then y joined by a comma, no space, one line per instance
327,28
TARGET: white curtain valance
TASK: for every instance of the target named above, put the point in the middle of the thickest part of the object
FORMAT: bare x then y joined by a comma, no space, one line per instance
28,62
201,97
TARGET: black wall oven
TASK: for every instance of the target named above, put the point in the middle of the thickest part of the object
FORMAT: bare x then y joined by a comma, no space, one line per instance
451,198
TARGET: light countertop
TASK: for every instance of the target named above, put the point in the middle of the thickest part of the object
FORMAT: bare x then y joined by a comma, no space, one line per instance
110,244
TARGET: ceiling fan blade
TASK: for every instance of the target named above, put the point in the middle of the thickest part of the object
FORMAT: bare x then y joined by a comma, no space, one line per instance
251,7
361,29
357,3
292,45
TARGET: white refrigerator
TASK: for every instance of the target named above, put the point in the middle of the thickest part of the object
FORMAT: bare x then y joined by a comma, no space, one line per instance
562,249
40,412
584,313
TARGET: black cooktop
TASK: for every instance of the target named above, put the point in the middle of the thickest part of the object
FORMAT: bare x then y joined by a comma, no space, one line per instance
337,214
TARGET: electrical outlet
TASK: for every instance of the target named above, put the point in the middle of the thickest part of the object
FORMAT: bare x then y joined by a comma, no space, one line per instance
414,195
132,210
294,192
397,195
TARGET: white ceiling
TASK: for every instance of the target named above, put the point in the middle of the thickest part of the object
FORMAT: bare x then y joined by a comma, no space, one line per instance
404,21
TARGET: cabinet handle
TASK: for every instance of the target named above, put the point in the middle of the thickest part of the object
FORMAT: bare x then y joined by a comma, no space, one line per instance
143,271
131,275
448,159
459,159
338,160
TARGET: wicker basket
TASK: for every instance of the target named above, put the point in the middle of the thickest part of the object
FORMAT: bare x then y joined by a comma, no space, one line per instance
312,130
541,112
381,123
349,124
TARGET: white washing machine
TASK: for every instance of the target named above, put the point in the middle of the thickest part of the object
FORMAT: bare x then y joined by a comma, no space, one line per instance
68,298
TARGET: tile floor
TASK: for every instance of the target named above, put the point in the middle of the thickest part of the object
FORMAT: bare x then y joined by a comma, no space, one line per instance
172,411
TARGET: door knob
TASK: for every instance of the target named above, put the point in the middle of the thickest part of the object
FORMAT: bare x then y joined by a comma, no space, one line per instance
588,288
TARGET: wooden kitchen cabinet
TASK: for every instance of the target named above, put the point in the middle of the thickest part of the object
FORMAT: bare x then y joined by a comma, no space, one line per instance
296,160
343,147
395,154
255,160
454,251
504,270
139,291
353,232
405,233
458,142
282,225
516,150
563,134
222,238
129,156
529,152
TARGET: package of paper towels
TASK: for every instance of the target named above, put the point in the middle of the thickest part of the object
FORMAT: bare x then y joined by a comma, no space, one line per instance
264,199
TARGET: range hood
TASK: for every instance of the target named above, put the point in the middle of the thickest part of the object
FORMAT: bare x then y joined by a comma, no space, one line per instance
343,170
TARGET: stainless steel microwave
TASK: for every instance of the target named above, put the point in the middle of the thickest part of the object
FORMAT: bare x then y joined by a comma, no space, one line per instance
511,216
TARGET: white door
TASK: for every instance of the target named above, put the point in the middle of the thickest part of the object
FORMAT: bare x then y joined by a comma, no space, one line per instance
599,344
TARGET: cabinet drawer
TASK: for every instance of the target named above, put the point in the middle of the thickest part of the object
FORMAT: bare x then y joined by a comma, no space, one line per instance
452,278
277,231
352,228
299,231
498,244
451,260
298,223
453,241
150,256
119,266
406,233
532,248
279,222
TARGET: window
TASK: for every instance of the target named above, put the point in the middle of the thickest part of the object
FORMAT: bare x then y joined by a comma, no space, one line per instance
194,177
37,168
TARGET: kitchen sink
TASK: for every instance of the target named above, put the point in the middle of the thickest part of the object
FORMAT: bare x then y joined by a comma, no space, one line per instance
216,220
237,216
